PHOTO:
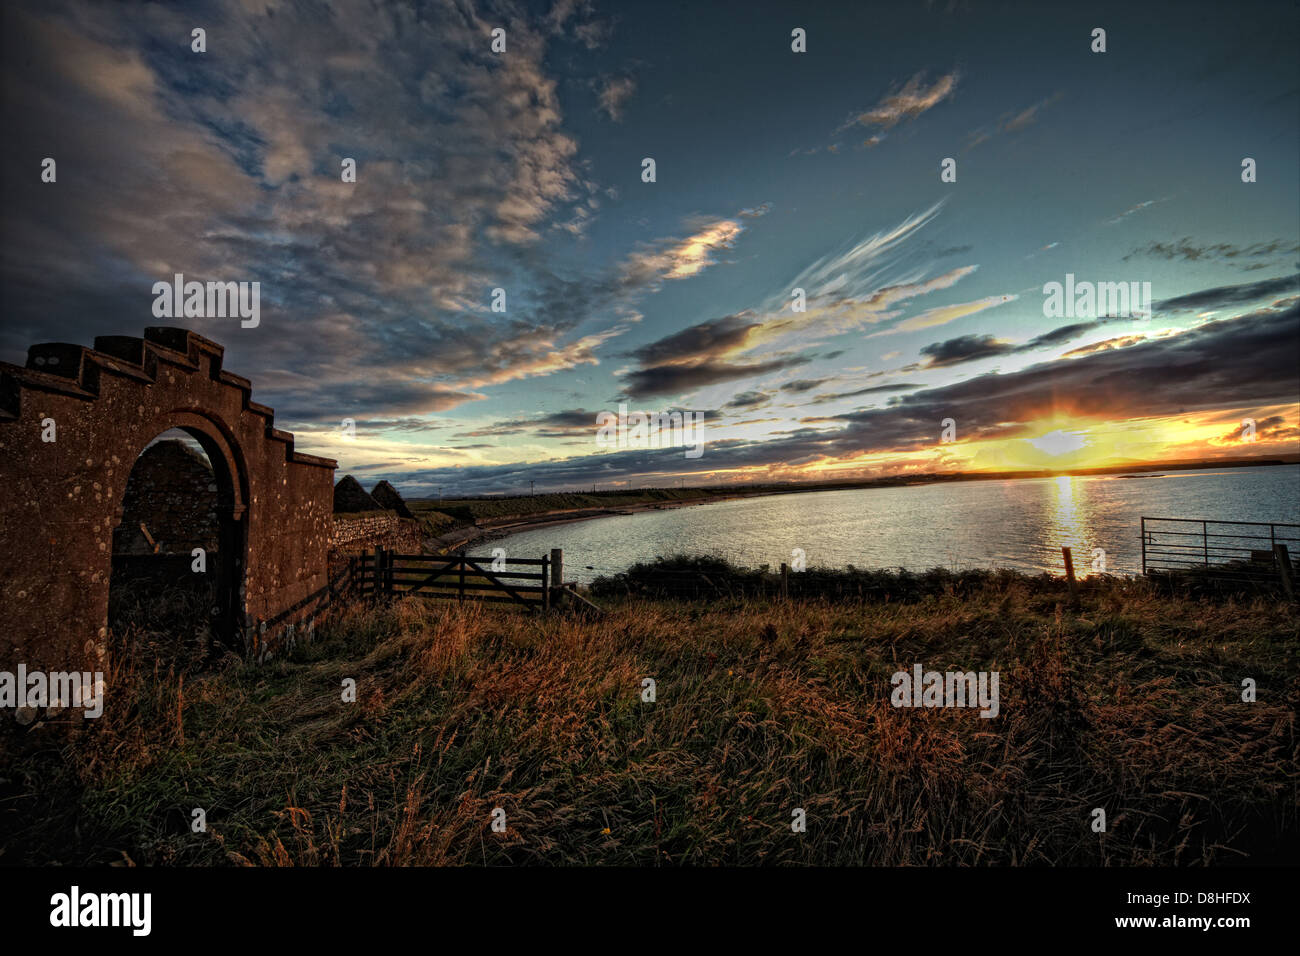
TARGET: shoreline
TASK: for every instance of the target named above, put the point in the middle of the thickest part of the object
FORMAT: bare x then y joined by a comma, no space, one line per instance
463,537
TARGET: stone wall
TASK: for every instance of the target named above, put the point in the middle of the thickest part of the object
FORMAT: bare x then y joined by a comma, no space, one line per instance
356,533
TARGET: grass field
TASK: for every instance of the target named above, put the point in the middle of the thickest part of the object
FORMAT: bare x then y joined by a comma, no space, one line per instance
1132,704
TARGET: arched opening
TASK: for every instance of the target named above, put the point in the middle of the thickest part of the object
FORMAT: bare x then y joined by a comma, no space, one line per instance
178,549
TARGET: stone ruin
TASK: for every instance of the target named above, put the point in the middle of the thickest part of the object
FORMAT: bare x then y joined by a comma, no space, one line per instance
387,497
74,421
351,498
365,521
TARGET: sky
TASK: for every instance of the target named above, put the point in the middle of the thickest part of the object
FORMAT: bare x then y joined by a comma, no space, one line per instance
921,341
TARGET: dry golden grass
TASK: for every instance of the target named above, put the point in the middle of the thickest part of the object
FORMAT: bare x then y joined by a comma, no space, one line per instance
1132,704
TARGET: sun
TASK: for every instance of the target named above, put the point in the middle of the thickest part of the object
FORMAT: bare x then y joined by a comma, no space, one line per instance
1059,442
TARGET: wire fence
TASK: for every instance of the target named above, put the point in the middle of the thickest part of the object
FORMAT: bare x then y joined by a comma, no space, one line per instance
1223,550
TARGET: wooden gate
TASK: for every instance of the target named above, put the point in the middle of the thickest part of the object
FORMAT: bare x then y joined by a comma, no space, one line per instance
524,581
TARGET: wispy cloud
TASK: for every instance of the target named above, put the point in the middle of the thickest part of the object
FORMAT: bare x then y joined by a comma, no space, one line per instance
944,314
682,258
1187,250
905,103
612,93
1012,122
1138,207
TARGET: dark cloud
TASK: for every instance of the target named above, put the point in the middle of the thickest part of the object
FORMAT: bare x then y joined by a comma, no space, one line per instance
1189,251
1230,295
965,348
1063,334
1274,428
553,425
676,379
869,390
803,384
749,400
971,348
706,340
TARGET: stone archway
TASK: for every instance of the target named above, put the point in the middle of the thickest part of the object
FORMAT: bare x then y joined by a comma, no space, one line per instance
181,494
72,422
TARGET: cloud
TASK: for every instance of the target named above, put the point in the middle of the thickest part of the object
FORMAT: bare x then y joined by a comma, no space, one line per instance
1064,333
856,270
1274,428
1227,295
681,258
869,390
836,313
965,348
612,93
944,314
970,348
1119,342
905,103
594,34
843,292
563,424
803,384
1189,251
1013,122
677,379
702,341
749,400
1136,208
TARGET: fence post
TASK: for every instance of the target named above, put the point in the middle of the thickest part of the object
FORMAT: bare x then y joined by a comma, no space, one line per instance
557,569
381,582
1069,576
1205,543
1144,545
460,595
785,581
1284,570
546,583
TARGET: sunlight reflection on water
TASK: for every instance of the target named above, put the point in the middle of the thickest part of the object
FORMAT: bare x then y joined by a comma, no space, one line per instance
1019,524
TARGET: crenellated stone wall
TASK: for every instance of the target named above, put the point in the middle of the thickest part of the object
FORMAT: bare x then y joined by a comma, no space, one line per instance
74,420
